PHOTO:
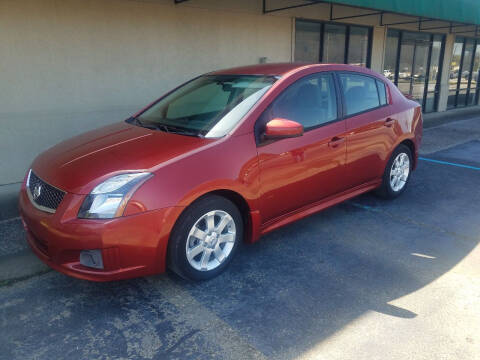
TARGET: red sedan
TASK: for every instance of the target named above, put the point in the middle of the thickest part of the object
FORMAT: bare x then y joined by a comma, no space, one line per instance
223,158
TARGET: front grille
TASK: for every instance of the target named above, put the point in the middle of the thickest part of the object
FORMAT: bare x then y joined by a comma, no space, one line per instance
43,196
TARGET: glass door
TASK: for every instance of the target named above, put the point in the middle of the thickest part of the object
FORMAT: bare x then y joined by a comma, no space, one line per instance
412,61
414,54
434,71
405,64
473,88
464,67
420,64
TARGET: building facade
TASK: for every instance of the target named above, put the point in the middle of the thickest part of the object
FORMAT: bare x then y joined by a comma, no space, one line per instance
72,65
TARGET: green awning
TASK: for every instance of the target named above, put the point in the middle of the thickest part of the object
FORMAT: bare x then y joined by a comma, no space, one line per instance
463,11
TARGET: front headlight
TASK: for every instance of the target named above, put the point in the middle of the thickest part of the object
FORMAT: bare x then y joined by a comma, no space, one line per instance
108,199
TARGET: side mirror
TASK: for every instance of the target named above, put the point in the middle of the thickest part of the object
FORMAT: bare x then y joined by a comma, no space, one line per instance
283,128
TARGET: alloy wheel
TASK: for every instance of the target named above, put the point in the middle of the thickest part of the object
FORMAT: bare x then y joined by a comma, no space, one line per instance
210,240
399,172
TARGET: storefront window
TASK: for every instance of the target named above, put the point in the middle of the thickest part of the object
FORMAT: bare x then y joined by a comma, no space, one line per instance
333,39
434,73
473,94
307,41
464,73
332,43
358,46
412,61
391,50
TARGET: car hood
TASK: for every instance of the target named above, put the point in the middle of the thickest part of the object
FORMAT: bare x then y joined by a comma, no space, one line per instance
80,163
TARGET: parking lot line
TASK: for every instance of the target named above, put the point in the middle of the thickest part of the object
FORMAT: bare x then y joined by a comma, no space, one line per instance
449,163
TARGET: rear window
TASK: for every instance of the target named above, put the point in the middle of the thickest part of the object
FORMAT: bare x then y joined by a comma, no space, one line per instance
360,93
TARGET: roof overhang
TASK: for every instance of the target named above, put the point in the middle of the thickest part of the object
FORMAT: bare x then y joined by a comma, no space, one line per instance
460,16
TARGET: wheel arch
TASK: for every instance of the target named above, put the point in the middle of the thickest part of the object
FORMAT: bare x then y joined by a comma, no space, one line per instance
239,201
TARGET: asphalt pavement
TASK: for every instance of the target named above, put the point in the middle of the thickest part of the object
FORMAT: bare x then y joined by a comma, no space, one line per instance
367,279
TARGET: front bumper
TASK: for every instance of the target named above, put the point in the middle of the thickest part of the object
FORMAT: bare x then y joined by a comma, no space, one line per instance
131,246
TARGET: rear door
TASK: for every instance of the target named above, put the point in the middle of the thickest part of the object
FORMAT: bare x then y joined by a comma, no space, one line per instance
295,172
369,124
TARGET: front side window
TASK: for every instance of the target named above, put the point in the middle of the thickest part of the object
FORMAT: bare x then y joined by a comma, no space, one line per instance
311,101
360,93
208,106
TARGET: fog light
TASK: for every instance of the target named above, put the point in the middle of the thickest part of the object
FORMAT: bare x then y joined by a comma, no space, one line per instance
91,258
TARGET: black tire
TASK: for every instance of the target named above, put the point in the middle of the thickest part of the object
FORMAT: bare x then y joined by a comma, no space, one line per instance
177,253
385,190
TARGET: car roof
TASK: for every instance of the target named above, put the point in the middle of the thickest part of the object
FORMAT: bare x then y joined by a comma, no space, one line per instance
279,69
261,69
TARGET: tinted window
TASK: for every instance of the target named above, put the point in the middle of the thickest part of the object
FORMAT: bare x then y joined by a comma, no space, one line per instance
310,101
360,93
382,92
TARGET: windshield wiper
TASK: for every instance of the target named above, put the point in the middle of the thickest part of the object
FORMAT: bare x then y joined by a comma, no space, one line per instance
137,121
165,128
177,130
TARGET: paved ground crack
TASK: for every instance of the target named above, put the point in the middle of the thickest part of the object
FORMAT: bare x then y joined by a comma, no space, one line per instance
10,282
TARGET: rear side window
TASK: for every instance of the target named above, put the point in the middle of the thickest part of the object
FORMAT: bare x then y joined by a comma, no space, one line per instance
382,92
360,93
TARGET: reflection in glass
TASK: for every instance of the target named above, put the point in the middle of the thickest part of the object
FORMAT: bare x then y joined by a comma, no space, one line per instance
307,41
464,69
326,42
434,62
454,70
334,44
391,48
433,73
358,46
415,70
420,70
407,49
474,79
467,62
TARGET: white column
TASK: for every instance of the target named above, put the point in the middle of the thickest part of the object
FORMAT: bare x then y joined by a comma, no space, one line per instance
379,35
445,75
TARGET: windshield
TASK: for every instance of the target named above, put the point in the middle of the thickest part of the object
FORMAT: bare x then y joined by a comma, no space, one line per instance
208,106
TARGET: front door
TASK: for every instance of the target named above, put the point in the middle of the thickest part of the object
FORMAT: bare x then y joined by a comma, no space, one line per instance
298,171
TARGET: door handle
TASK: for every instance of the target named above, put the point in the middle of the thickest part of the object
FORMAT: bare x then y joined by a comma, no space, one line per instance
336,141
298,155
389,122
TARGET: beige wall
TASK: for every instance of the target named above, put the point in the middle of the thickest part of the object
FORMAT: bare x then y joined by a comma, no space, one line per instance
71,65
